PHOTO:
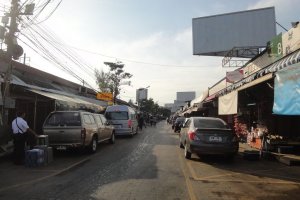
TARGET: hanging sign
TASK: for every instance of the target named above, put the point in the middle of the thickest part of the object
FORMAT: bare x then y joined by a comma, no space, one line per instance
105,96
234,76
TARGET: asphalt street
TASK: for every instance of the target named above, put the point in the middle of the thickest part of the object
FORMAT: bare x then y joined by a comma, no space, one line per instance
151,165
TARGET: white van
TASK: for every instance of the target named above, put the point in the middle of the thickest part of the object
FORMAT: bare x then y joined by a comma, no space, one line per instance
123,118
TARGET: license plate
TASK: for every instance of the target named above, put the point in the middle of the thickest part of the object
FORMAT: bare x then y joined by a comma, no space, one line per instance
215,139
61,147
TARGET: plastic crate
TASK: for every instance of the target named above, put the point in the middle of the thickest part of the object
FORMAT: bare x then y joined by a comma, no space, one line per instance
34,158
43,140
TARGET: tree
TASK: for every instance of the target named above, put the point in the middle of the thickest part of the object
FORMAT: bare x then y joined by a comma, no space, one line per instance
148,106
112,80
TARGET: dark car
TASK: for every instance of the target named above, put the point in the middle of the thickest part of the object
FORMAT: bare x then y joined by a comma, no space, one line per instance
178,124
208,136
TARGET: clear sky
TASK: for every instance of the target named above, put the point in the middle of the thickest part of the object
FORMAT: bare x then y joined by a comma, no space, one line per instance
156,32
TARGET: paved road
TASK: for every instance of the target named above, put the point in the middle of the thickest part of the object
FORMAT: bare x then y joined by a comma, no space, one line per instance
151,166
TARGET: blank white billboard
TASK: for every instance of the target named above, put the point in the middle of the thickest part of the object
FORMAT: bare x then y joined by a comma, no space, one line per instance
141,94
216,35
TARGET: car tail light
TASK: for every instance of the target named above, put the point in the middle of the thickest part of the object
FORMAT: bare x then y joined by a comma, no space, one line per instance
192,135
83,133
129,123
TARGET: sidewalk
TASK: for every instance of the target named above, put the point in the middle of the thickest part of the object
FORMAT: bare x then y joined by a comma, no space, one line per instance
287,159
17,175
246,147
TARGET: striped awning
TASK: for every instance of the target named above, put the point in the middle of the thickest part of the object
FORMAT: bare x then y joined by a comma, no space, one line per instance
280,64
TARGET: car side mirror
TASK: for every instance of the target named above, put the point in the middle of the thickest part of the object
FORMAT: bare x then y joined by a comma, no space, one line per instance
107,123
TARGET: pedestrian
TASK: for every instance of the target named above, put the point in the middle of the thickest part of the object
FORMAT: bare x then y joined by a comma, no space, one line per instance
141,122
151,120
21,134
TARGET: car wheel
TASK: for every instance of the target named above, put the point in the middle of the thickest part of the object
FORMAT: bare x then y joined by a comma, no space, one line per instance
132,133
112,138
93,145
180,144
187,154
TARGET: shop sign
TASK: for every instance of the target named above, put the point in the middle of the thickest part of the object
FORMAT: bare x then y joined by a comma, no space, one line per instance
234,76
105,96
275,47
291,40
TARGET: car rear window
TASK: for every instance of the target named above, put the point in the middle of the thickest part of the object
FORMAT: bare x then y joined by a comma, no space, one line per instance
121,115
209,123
180,119
63,119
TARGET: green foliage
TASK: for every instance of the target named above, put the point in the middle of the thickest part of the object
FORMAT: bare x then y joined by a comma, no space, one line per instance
111,81
148,106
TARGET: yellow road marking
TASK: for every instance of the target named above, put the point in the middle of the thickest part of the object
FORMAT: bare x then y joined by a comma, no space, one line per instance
192,170
245,181
187,179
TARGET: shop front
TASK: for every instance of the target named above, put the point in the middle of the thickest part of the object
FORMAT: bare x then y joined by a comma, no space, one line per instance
265,106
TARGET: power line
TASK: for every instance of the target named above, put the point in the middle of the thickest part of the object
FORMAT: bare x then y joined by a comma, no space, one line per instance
133,61
52,58
45,36
50,13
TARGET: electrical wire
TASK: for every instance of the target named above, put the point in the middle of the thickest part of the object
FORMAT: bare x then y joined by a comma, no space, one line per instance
74,59
34,36
50,13
134,61
52,58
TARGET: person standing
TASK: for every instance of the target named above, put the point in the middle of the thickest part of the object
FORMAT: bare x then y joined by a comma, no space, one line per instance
141,121
21,134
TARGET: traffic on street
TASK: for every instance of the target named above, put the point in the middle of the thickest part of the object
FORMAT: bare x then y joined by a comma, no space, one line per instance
149,100
151,165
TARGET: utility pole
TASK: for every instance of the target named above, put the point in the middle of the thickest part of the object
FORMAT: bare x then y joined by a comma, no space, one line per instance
11,44
14,51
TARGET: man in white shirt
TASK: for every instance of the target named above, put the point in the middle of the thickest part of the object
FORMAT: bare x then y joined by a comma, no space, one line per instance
21,134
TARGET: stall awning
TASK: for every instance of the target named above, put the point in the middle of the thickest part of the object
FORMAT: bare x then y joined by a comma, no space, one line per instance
57,96
228,103
70,100
256,81
287,91
199,99
280,64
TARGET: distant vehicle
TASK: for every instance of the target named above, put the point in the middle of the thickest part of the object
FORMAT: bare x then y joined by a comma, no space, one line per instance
123,118
178,124
69,129
173,121
208,136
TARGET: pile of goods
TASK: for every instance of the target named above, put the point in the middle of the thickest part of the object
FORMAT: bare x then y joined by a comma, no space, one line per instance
41,154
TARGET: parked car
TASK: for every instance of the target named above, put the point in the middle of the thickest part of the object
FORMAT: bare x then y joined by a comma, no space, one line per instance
69,129
123,118
178,124
208,136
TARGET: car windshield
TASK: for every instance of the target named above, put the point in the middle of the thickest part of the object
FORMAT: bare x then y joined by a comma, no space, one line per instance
209,123
122,115
63,119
